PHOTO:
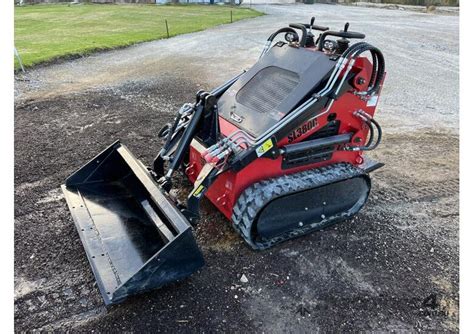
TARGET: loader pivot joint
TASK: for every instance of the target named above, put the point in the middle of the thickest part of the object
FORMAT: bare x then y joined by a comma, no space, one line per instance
165,183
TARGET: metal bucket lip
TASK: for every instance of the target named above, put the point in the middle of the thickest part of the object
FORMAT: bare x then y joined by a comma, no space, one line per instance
112,291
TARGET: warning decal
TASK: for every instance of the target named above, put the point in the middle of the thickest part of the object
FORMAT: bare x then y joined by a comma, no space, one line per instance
372,102
265,147
198,191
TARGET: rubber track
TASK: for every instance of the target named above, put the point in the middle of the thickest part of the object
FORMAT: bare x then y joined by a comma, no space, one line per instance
258,195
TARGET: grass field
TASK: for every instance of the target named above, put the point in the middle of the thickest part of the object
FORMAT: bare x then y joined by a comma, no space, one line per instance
47,32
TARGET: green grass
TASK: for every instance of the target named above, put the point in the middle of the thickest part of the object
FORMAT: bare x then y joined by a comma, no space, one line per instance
47,32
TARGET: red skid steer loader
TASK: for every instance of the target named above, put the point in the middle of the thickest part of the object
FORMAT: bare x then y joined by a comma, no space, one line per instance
278,149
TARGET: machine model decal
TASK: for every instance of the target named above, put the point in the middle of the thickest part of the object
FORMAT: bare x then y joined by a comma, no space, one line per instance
295,134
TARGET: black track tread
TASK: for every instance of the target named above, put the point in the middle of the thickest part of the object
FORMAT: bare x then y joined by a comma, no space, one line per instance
259,194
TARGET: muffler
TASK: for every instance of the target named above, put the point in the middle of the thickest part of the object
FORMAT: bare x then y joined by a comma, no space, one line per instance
135,237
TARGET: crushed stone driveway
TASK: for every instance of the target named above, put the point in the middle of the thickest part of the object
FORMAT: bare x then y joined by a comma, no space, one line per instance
392,268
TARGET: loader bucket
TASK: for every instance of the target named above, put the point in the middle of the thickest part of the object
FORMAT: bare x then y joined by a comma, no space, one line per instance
135,237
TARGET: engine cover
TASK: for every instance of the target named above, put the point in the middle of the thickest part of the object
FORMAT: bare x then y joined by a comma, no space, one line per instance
274,86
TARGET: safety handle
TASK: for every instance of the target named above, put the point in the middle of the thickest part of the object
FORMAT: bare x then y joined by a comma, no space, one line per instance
304,33
307,26
343,34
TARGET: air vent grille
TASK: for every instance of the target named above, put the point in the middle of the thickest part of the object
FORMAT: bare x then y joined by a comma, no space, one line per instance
267,89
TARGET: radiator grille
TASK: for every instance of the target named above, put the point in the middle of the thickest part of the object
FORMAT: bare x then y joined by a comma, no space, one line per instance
267,89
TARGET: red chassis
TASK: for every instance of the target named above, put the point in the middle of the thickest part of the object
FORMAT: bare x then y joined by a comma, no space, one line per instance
227,188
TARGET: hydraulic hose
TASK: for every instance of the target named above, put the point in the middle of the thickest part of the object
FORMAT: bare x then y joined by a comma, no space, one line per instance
171,131
374,69
380,62
355,50
368,146
379,130
272,37
371,134
279,31
378,72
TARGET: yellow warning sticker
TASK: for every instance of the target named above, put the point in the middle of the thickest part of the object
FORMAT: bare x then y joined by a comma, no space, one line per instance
198,191
265,147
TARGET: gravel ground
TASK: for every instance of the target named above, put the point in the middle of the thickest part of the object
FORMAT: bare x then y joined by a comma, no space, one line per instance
392,268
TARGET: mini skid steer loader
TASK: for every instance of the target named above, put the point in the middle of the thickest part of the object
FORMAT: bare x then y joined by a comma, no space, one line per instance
278,149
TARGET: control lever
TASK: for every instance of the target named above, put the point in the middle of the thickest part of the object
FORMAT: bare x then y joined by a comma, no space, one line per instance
308,40
346,26
343,33
309,43
311,24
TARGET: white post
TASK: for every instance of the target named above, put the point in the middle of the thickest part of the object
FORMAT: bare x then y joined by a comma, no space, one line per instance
19,59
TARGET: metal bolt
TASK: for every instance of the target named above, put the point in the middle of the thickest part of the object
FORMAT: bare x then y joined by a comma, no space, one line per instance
300,224
323,216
